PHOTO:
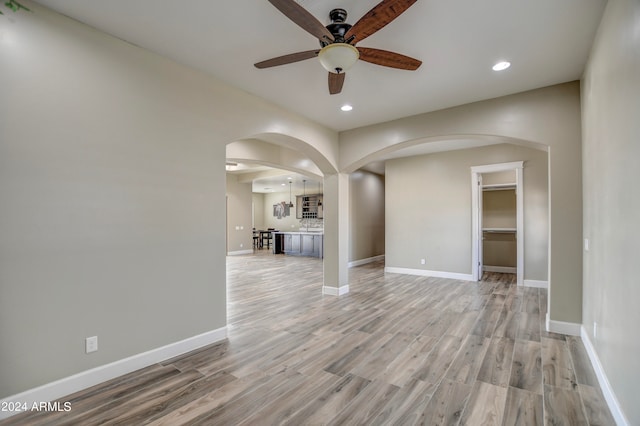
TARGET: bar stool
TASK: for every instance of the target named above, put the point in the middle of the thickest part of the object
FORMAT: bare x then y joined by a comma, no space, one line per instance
256,236
268,236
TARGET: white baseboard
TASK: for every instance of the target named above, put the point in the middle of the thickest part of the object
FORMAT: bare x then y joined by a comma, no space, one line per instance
425,273
365,261
535,283
502,269
605,386
86,379
561,327
239,252
335,291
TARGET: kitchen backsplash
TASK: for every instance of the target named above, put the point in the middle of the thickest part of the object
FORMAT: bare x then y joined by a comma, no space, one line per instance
312,223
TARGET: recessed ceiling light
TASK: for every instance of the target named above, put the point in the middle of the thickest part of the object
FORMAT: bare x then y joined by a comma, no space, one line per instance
501,66
346,107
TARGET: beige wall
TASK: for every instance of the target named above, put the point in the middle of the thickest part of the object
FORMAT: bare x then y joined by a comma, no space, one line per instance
366,209
499,249
428,209
239,228
289,223
258,211
611,149
499,208
496,178
112,196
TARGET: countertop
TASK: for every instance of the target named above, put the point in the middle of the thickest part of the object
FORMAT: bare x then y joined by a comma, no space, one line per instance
300,232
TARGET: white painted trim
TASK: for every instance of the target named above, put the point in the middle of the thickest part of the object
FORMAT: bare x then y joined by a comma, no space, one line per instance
335,291
476,237
502,269
536,283
425,273
365,261
85,379
239,252
520,222
562,327
605,386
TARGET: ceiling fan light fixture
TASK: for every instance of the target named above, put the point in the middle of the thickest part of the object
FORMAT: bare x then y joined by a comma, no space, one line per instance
338,57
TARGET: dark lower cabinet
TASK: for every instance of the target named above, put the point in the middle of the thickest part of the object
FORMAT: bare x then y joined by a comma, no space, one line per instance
299,244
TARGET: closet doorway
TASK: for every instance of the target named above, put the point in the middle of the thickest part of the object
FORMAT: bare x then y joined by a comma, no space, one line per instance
498,219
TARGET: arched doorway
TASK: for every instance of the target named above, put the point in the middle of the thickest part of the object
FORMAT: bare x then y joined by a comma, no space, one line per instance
293,154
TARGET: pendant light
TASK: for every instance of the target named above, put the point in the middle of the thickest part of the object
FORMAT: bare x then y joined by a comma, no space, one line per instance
290,203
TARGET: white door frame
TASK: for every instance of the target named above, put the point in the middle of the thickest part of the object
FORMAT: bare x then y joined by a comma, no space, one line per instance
479,216
476,232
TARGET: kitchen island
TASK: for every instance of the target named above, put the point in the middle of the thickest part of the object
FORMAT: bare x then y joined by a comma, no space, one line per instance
301,243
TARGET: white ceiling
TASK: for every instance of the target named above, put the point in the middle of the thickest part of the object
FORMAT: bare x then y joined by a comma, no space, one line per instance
275,180
547,42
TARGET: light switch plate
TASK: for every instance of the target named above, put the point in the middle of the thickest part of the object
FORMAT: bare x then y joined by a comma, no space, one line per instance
91,344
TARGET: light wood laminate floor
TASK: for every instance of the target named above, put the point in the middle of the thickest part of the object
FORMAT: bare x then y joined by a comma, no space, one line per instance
396,350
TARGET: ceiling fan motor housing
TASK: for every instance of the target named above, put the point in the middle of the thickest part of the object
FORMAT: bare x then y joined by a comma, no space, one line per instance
338,27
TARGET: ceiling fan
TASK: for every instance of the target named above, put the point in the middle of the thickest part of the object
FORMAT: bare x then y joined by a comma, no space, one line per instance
337,50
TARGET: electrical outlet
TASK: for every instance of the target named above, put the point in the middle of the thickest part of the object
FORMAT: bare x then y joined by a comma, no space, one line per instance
91,344
586,244
595,329
423,261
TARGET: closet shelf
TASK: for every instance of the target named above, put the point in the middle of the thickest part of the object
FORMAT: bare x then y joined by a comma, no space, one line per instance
500,230
499,186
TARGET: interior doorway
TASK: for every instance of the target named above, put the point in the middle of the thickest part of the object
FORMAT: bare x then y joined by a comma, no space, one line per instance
498,219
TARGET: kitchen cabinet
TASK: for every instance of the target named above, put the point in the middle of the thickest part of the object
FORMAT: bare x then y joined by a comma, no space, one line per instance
309,206
306,244
291,243
299,243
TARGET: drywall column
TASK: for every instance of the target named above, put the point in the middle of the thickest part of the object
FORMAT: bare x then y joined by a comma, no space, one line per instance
336,234
565,237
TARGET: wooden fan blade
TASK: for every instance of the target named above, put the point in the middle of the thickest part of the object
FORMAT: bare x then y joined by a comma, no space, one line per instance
303,18
388,59
288,59
335,82
375,19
